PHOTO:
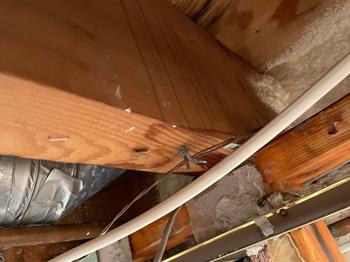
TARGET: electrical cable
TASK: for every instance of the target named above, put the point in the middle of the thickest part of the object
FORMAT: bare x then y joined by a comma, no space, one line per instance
159,255
167,174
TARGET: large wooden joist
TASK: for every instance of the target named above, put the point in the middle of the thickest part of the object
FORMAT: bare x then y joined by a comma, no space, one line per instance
119,83
46,123
316,146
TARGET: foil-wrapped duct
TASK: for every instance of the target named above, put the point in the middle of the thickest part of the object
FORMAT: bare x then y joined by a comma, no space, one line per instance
41,192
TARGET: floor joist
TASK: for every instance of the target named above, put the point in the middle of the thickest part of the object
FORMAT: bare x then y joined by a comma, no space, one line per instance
86,83
46,123
314,147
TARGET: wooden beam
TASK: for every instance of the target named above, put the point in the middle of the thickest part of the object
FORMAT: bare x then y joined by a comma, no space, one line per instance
315,243
38,235
46,123
111,82
308,150
308,245
328,238
145,242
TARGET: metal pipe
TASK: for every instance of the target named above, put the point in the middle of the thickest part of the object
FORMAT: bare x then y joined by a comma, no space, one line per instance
39,235
261,138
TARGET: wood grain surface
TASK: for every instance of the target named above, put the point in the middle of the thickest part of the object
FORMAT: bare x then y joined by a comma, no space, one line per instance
47,123
115,82
143,56
145,242
315,243
308,150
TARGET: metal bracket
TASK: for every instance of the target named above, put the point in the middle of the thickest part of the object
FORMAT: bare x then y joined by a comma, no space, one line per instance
183,151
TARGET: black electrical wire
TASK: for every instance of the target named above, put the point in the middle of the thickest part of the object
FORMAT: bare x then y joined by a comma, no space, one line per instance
198,155
159,255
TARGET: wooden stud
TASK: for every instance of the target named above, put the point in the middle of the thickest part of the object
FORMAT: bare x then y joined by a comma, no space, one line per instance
145,242
315,243
328,238
308,150
308,245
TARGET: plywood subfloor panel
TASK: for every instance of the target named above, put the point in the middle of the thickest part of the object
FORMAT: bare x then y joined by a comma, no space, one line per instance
292,43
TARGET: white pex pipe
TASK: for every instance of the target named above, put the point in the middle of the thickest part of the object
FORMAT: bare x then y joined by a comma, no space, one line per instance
261,138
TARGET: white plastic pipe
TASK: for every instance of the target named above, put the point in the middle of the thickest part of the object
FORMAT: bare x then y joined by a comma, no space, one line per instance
261,138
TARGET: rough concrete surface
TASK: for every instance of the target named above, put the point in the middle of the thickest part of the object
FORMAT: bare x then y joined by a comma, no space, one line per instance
229,203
